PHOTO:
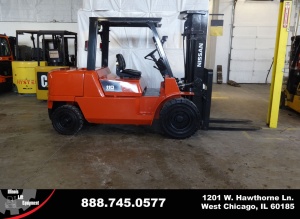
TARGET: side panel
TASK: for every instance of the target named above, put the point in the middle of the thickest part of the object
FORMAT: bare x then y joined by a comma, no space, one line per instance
120,109
24,76
65,83
92,86
114,110
295,104
42,80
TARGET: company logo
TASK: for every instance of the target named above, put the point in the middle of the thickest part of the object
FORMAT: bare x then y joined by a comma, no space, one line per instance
200,55
19,203
15,199
42,80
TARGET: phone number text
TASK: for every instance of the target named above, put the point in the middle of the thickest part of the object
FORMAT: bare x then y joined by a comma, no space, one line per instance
122,202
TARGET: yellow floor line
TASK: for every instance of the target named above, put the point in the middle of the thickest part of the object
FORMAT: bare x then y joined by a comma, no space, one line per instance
280,139
287,129
250,137
293,129
247,135
225,98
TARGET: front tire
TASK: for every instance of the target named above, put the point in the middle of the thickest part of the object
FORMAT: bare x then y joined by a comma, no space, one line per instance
67,120
179,118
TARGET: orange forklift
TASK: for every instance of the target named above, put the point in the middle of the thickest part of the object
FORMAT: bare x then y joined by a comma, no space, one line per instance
96,95
7,55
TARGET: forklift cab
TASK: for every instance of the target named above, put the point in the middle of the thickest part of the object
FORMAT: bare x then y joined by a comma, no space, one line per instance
50,49
6,57
103,25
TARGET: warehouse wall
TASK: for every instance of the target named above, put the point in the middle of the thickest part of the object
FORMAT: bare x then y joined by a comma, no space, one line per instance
257,19
253,39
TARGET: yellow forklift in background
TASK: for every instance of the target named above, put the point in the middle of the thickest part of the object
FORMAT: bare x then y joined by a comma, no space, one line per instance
51,49
290,96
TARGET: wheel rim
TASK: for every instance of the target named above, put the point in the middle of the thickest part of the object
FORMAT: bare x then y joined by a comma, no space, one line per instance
67,121
180,120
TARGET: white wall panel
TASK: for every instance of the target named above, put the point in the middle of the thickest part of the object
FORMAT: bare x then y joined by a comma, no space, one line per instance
39,10
53,11
242,66
243,54
17,10
243,42
245,31
193,5
145,5
91,5
166,5
264,54
135,5
265,43
243,75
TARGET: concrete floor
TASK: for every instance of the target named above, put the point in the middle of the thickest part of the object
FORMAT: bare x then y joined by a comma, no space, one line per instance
33,155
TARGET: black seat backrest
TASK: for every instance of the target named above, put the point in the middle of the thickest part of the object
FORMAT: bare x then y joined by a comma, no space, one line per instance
121,64
122,71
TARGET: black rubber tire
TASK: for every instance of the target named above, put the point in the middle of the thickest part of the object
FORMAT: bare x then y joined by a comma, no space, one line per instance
67,120
179,118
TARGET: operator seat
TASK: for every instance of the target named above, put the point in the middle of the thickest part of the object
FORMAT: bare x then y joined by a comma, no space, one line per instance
122,71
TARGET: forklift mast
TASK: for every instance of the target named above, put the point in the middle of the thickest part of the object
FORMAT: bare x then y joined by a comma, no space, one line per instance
195,32
197,78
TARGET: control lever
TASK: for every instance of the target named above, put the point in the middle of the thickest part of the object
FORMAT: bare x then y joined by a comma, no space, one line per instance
164,39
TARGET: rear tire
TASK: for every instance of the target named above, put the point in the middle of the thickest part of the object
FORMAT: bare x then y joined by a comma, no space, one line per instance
179,118
67,120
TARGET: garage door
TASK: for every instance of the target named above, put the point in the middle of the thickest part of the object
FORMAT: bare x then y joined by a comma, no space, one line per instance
253,41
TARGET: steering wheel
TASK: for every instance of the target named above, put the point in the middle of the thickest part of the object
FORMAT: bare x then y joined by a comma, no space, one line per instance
151,55
163,40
